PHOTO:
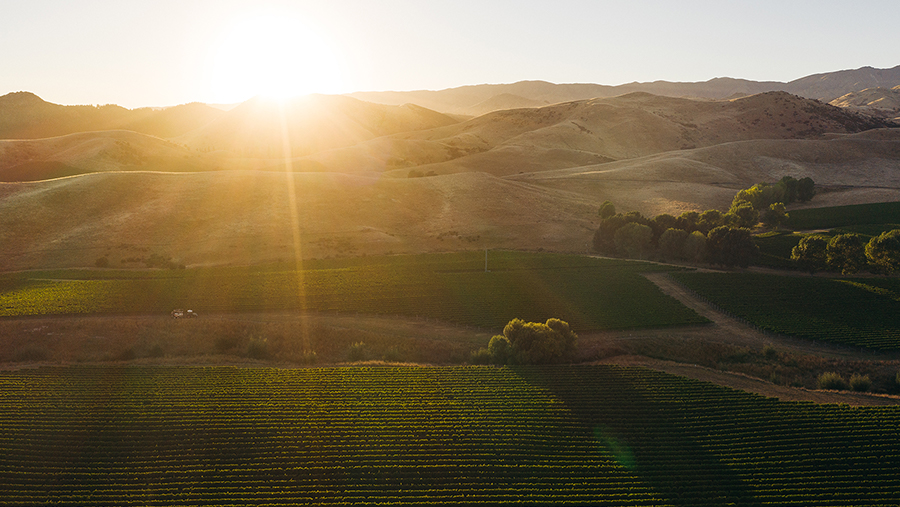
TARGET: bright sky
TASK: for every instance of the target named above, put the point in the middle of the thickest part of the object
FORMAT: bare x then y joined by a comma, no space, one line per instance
168,52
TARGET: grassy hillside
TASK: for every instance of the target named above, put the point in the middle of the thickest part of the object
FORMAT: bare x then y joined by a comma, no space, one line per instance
625,127
413,436
246,217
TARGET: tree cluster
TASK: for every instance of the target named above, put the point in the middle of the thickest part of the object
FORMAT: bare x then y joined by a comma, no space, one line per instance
533,343
849,253
693,237
712,236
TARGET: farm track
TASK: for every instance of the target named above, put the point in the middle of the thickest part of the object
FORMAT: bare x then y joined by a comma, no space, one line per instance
727,329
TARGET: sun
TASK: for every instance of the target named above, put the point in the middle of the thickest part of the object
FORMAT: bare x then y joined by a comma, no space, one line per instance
273,56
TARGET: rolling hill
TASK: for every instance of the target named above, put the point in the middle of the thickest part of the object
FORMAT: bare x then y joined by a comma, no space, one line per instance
309,124
471,99
85,152
849,169
244,217
24,115
216,188
595,131
878,101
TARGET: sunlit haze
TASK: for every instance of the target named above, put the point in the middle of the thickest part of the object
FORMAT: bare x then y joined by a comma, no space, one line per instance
271,55
169,52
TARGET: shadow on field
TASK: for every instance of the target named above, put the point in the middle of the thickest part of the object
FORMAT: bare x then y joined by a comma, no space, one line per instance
643,435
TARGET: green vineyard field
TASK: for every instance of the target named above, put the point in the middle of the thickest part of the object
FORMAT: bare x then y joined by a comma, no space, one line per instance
561,435
862,312
587,292
838,216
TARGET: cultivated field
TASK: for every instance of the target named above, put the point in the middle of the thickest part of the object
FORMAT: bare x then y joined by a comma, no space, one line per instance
472,435
862,312
589,293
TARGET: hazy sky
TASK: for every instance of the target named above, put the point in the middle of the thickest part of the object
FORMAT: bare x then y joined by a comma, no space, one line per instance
167,52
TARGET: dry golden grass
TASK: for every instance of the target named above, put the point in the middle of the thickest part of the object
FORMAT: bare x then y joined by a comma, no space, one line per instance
265,338
245,217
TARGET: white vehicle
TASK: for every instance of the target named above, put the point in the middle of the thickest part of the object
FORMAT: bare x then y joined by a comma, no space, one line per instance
179,313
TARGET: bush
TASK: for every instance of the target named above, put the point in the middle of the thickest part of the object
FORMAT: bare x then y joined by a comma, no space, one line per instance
392,355
32,353
499,349
258,349
769,351
357,352
831,380
860,383
480,356
226,343
533,343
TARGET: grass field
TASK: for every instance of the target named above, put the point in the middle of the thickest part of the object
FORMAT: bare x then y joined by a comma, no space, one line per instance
589,293
429,436
861,312
867,220
839,216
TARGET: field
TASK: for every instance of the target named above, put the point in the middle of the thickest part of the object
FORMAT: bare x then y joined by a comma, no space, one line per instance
838,216
861,312
462,435
589,293
867,220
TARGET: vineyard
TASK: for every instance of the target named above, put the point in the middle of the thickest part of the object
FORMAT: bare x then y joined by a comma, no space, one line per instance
589,293
861,312
429,436
838,216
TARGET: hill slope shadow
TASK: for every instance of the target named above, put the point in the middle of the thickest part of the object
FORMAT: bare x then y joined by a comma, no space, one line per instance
643,435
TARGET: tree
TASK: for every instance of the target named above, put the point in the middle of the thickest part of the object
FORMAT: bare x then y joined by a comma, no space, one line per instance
809,254
789,186
730,246
671,244
499,349
745,215
775,215
883,251
806,189
709,220
633,239
536,343
688,221
661,223
604,236
694,248
607,209
846,253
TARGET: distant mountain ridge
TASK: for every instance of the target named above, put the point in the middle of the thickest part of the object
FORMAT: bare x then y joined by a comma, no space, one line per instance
468,99
24,115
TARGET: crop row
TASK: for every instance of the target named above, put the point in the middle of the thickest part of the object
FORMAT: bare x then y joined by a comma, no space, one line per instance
860,313
472,435
588,293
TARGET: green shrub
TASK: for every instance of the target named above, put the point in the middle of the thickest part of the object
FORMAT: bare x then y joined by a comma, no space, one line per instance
258,349
392,354
357,352
32,353
499,349
533,343
831,380
860,383
480,356
769,351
